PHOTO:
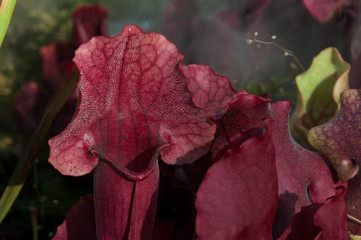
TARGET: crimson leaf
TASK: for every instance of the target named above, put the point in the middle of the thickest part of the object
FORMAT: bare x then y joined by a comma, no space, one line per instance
324,9
79,221
238,196
211,91
303,177
332,217
244,118
302,225
135,104
320,221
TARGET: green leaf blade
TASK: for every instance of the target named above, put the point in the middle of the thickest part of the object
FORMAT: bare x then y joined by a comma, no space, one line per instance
6,11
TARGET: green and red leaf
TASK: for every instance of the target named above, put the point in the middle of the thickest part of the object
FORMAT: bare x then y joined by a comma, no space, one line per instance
318,92
339,138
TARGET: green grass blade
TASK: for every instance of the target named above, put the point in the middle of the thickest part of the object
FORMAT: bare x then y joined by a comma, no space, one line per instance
6,11
25,164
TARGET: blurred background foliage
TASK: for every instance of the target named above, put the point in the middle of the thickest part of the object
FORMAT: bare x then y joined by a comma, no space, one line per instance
36,23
